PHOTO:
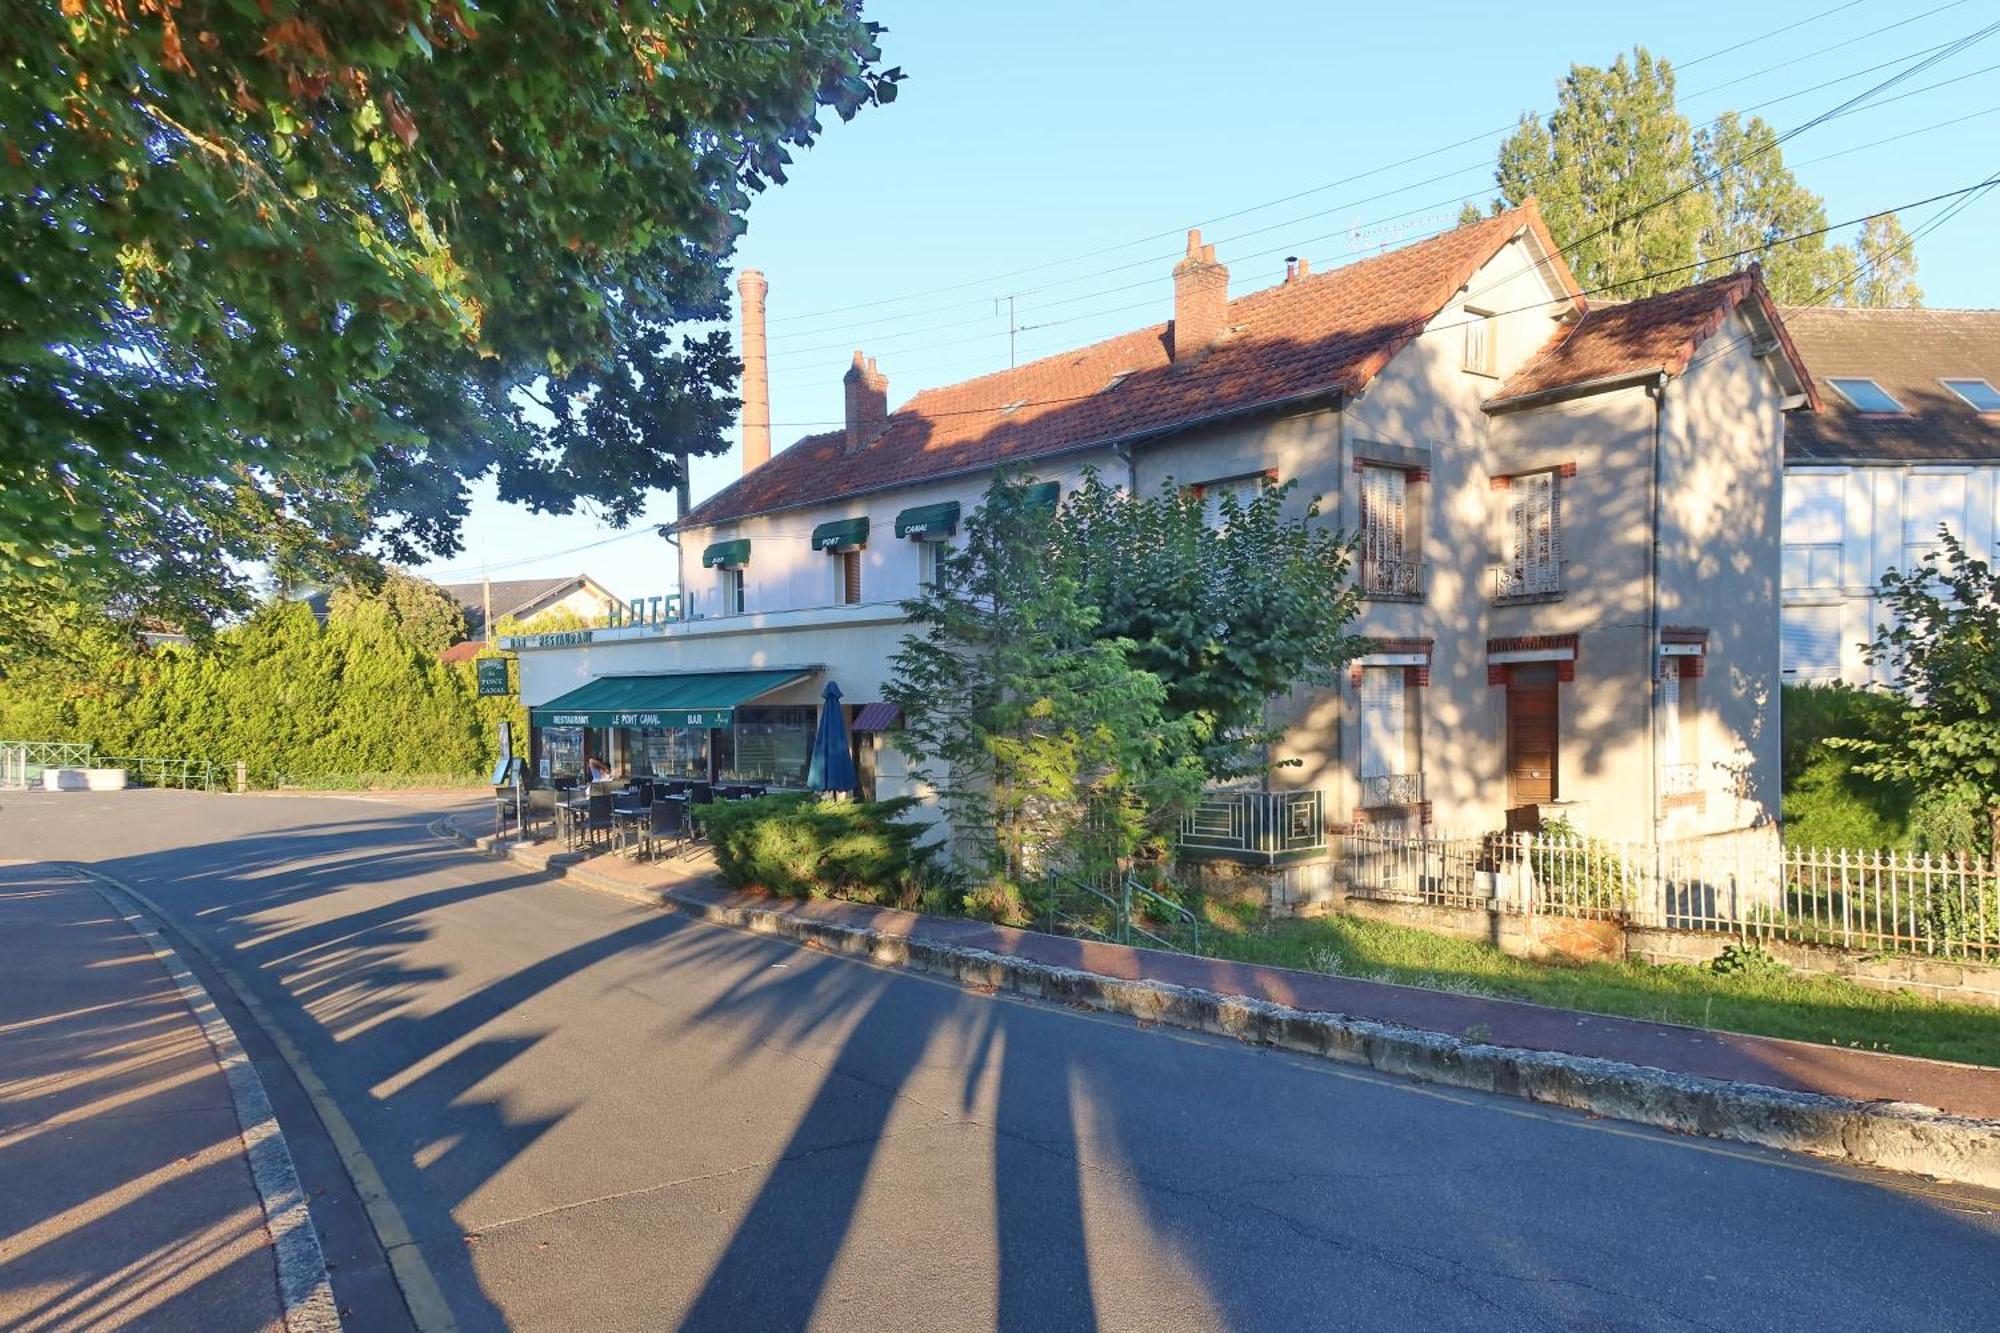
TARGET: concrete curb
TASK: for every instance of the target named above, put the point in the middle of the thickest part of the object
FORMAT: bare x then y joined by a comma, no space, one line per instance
1891,1136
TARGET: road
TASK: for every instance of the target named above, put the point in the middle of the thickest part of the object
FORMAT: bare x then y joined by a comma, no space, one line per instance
596,1115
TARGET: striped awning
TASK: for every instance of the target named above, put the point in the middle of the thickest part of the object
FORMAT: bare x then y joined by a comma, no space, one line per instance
878,717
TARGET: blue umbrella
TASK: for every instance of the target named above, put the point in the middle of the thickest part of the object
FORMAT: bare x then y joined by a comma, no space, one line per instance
832,759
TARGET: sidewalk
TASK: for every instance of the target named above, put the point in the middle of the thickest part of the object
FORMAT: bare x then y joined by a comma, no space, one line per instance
1793,1066
129,1201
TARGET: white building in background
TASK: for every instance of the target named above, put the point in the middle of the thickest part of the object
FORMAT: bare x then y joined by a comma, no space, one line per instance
1909,439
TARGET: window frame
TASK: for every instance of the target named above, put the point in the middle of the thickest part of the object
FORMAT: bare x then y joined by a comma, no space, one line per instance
1515,555
847,575
1203,490
1835,381
1951,383
1480,326
729,590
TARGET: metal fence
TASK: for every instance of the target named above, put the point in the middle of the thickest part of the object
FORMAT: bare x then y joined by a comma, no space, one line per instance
1255,825
1872,901
22,762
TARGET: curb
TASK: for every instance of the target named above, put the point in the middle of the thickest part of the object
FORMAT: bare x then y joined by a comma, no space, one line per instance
1892,1136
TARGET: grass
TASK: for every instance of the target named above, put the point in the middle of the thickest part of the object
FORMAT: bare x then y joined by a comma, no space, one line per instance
1769,1002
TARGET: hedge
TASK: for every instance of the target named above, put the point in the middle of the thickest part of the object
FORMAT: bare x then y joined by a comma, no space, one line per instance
800,846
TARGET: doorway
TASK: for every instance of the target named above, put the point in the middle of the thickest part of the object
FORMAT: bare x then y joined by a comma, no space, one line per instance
1533,737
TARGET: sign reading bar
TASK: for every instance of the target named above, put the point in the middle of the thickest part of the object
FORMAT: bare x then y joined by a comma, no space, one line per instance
493,676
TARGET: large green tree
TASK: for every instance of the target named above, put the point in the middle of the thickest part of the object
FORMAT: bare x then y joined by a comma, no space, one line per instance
1885,266
277,274
1754,202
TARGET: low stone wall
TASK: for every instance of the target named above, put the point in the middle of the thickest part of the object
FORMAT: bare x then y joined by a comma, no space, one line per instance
1962,982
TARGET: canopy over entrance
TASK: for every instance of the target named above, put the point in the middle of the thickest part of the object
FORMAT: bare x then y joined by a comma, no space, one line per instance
682,699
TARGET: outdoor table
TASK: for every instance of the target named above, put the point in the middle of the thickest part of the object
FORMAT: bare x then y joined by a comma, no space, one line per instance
627,816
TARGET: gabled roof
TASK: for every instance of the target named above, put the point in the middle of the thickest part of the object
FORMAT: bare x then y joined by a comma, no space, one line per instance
1907,352
514,597
1628,340
1316,336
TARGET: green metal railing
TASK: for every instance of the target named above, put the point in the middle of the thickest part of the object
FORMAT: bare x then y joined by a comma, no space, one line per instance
1121,914
22,762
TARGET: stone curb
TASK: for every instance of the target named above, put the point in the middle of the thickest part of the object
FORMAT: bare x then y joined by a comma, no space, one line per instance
1893,1136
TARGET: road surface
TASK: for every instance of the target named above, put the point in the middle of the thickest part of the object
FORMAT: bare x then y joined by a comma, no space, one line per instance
596,1115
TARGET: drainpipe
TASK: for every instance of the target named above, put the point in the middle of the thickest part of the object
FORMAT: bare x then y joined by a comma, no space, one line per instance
1123,453
1658,392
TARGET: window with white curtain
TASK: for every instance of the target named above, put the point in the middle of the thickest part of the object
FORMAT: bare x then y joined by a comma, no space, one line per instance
1388,566
1384,722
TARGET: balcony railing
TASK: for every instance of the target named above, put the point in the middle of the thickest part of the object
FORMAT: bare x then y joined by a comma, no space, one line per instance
1382,577
1680,779
1382,790
1513,583
1255,825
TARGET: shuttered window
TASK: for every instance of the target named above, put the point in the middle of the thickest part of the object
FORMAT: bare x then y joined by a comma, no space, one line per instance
1384,492
1809,645
850,577
1670,712
1245,489
1534,555
1928,503
1383,721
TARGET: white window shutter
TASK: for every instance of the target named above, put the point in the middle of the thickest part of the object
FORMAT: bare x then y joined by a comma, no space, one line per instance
1382,721
1809,641
1670,711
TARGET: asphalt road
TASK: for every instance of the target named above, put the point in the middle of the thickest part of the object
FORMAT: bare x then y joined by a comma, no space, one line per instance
599,1116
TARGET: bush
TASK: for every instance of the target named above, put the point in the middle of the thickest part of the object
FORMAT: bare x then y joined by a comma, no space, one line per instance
800,846
1826,802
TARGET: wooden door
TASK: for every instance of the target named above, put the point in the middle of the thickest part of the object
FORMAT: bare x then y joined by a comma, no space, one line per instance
1531,736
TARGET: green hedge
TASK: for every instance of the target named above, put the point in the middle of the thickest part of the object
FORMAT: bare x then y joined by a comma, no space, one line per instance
802,847
1827,803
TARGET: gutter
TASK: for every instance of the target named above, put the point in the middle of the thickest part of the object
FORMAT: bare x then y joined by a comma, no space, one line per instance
1579,389
1326,393
1658,392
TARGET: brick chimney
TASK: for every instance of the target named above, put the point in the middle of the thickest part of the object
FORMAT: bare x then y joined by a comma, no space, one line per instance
1201,299
750,287
867,401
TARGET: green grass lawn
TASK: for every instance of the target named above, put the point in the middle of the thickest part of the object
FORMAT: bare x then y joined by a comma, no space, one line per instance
1769,1002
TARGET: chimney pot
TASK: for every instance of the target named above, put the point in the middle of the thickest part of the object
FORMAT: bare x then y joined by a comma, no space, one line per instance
867,402
750,288
1201,299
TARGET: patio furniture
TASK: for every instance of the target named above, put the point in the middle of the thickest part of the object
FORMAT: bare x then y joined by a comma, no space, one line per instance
666,820
542,807
629,819
506,806
598,817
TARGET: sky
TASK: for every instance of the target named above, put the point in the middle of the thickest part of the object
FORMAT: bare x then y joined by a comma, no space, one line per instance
1056,153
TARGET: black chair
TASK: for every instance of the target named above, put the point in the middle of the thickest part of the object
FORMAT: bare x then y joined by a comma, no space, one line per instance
598,818
701,793
506,806
666,821
541,808
679,786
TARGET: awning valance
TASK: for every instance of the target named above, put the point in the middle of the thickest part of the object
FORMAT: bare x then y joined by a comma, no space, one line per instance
691,699
840,533
720,555
925,521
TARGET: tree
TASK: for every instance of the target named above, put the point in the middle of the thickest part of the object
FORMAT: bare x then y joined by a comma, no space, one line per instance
1943,642
424,615
1614,170
1040,737
278,277
1754,202
1226,614
1885,266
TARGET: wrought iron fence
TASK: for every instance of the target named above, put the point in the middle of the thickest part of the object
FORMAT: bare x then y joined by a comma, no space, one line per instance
1392,789
1513,582
152,771
1873,901
1255,825
1383,577
1124,911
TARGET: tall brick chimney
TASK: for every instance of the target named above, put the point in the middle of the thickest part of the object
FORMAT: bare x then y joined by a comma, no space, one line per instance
750,287
1201,299
867,401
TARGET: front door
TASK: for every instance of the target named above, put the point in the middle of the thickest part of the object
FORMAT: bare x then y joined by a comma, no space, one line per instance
1531,742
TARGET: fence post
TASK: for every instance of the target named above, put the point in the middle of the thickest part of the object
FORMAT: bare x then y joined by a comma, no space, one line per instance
242,776
1525,874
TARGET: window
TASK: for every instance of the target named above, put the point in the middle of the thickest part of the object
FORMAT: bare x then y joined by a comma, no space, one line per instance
729,591
1384,732
1387,566
1479,350
1245,489
1533,567
1814,525
769,744
1866,395
1979,395
928,554
1930,502
850,576
1809,642
1680,731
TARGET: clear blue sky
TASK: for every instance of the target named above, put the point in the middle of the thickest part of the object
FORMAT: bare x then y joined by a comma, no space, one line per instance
1057,152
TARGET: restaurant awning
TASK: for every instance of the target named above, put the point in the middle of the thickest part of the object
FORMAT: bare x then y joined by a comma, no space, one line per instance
840,532
924,521
692,699
721,555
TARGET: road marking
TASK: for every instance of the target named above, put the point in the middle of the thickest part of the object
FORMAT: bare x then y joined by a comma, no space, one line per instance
421,1293
303,1285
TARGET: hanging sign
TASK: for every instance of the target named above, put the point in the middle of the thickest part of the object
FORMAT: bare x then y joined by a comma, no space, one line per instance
493,676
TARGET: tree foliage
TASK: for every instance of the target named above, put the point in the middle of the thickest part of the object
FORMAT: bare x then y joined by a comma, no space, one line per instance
1942,641
276,275
1643,203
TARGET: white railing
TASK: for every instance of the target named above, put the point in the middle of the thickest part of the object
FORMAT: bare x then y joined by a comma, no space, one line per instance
1873,901
1392,789
1680,779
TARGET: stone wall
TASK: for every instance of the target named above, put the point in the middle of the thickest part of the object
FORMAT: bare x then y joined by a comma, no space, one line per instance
1961,982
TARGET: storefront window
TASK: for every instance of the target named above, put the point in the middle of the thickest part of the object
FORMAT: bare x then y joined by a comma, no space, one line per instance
667,752
562,752
772,744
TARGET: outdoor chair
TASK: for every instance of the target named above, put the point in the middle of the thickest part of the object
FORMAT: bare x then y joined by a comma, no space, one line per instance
541,808
598,818
506,806
666,822
701,793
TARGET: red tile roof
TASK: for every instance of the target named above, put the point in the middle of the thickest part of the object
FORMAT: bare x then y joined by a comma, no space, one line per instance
1327,332
466,651
1651,334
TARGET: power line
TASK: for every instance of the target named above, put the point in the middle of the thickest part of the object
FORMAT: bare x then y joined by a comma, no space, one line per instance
1300,194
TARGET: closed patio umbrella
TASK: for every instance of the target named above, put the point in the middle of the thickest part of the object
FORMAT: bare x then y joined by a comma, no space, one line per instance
832,760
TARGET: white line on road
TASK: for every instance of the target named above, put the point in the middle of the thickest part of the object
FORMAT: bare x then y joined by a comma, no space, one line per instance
303,1285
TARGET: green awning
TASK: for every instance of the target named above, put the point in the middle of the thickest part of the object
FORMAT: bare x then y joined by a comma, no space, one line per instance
1045,495
938,520
720,554
693,699
840,532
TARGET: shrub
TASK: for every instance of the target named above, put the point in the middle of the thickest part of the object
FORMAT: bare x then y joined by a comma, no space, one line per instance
1826,802
1740,959
803,847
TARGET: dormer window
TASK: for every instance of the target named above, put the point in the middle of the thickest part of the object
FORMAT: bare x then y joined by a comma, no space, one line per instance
1479,342
1868,396
1979,395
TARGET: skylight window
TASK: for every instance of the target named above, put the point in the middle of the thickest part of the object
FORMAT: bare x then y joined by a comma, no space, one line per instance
1114,381
1980,394
1867,395
1011,408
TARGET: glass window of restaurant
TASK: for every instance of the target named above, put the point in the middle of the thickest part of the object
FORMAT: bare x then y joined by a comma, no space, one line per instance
666,752
770,744
562,752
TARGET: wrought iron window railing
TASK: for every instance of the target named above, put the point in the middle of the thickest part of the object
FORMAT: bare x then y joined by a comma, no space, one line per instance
1514,582
1384,577
1680,779
1392,789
